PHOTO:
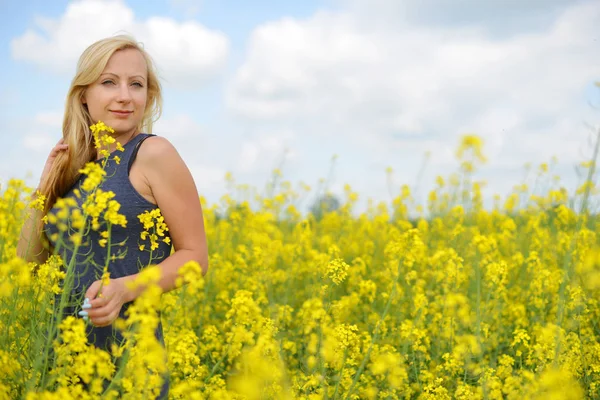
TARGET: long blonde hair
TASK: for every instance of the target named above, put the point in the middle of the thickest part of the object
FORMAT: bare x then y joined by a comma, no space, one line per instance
77,119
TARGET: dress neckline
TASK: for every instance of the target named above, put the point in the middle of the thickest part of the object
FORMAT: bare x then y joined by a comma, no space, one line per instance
124,147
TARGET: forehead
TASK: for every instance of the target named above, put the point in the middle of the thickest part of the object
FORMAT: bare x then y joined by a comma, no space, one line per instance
126,62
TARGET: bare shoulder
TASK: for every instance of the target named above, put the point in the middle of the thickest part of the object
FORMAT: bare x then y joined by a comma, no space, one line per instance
157,149
162,165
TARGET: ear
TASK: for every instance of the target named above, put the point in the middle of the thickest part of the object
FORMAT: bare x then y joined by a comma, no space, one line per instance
83,99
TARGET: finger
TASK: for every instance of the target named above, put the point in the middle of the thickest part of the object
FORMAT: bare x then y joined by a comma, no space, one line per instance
104,320
60,147
92,291
102,311
100,302
103,299
56,150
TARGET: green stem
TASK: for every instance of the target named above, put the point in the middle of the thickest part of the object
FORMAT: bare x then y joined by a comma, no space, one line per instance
341,374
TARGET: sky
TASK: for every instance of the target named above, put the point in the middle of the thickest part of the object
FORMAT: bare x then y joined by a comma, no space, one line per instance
324,90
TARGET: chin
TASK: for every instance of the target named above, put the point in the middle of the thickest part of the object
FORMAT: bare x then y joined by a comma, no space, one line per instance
120,127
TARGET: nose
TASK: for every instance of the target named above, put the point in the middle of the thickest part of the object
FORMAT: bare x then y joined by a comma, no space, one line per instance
124,94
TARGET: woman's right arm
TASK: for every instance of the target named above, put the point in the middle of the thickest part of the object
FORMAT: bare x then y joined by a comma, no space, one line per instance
30,246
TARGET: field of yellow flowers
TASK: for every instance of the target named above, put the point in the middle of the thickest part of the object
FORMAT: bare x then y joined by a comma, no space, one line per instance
458,302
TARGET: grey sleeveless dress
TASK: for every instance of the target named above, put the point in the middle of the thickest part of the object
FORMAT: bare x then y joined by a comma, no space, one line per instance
91,257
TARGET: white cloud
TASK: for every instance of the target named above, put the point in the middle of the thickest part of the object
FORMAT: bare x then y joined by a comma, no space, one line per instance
50,119
30,140
265,152
397,90
210,152
457,12
38,142
178,127
42,132
210,180
187,53
248,155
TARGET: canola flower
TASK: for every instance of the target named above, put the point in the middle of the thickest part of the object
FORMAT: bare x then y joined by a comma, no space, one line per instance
463,303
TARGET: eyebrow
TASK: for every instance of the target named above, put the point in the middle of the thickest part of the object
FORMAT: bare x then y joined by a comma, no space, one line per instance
115,75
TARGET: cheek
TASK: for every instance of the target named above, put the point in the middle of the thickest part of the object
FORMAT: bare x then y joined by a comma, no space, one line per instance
94,99
141,99
141,96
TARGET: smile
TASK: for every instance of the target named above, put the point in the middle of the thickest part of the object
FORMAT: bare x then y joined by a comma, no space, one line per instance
121,113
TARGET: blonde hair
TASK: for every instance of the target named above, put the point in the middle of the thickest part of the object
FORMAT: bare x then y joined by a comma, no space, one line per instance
77,119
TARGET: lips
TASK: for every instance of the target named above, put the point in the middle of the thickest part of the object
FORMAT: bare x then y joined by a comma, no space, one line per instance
121,113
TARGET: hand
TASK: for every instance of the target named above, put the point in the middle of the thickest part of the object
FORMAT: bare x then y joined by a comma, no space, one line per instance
106,307
56,150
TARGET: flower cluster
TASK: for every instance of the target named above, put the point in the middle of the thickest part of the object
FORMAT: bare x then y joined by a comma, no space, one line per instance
154,227
105,140
427,301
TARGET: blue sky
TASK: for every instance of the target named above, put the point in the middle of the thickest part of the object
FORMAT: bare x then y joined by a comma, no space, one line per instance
377,82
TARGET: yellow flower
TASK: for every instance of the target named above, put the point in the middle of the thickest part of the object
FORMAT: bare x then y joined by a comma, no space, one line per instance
337,270
472,144
38,202
95,174
106,278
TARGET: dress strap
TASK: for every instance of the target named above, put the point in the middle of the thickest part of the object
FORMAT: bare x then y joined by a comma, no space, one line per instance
135,150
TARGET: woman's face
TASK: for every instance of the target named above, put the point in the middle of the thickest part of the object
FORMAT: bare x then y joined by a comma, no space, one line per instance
118,98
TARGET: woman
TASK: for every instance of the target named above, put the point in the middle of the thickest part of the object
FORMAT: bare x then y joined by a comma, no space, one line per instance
116,83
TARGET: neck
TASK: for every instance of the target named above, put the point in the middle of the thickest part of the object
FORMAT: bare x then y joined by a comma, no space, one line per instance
123,138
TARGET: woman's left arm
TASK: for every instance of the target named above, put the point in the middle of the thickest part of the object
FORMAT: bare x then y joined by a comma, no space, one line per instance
177,197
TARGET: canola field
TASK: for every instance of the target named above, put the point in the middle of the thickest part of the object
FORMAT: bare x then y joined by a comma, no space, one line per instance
444,300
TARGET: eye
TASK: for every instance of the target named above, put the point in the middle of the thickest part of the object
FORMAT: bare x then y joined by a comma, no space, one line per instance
138,84
107,81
